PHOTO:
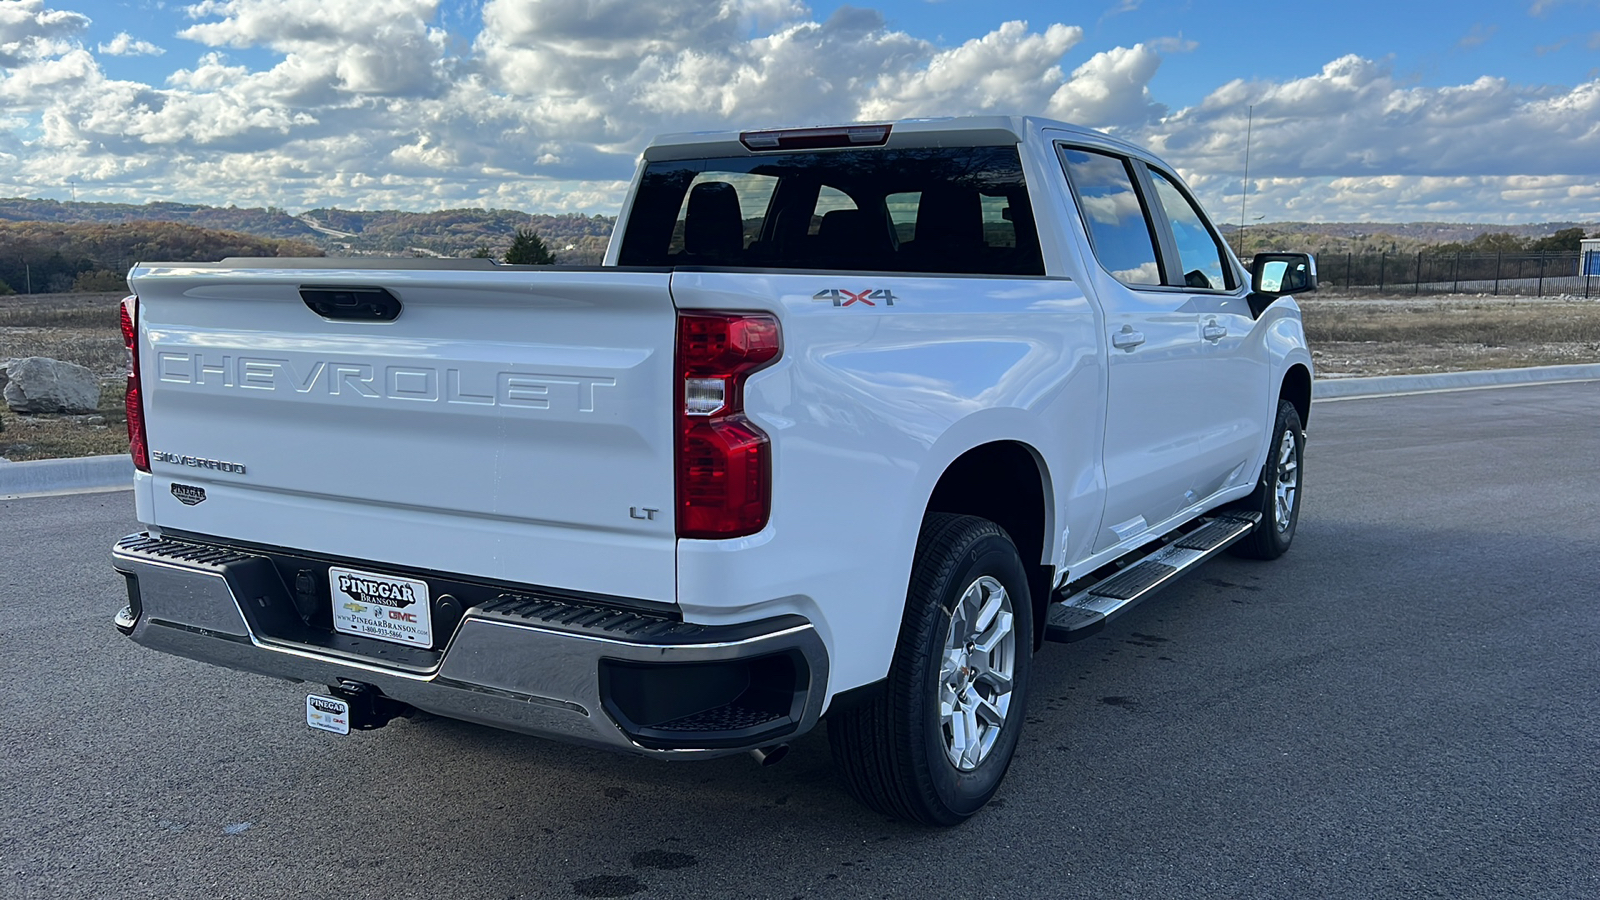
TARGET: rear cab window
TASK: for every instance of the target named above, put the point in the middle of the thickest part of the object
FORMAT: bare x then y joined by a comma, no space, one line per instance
961,210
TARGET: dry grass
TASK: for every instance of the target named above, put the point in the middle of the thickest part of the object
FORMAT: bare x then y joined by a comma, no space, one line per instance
79,328
1448,335
24,437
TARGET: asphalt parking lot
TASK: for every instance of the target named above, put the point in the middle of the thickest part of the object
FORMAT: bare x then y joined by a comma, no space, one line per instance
1407,704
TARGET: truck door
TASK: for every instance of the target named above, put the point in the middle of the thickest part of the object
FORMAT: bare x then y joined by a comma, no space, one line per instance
1236,374
1161,429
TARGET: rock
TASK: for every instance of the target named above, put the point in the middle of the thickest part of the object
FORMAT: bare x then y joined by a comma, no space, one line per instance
40,384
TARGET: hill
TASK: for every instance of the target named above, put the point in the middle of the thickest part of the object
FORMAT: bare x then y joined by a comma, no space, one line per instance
1327,238
575,239
51,257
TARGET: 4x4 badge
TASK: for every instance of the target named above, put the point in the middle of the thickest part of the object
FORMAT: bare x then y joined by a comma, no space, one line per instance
188,494
850,298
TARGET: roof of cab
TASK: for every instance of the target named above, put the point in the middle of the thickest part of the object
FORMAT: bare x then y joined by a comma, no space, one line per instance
955,131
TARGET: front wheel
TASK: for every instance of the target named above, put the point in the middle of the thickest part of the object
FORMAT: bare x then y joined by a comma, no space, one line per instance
933,747
1278,494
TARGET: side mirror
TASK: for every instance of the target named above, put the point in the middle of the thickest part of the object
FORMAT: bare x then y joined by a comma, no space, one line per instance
1273,275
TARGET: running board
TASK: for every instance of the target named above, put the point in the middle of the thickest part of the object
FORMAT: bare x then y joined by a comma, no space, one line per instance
1087,611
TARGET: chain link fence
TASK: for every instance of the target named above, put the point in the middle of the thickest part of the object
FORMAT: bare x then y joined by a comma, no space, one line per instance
1554,273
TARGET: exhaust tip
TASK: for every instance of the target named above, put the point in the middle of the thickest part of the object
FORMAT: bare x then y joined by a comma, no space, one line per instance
770,756
125,620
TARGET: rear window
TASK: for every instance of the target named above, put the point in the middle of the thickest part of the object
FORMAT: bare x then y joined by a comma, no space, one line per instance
949,210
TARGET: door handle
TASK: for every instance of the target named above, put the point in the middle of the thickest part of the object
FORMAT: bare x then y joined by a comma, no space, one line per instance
1213,331
1127,338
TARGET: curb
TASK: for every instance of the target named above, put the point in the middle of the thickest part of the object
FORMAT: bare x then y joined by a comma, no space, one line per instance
1392,385
87,474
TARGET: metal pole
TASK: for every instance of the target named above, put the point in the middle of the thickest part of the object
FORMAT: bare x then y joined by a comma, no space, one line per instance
1541,271
1455,275
1347,257
1588,260
1248,123
1497,274
1417,289
1382,258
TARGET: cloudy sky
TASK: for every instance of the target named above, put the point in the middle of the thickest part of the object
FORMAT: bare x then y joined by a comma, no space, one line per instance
1472,110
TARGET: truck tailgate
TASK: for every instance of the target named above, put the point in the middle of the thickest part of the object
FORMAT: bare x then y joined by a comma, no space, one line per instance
509,425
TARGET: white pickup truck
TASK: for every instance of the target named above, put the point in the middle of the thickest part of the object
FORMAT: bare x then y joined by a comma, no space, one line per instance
849,423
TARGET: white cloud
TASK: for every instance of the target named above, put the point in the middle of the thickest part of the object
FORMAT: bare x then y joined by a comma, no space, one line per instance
1354,118
380,47
28,31
1353,142
125,44
1174,45
1007,69
374,103
1111,89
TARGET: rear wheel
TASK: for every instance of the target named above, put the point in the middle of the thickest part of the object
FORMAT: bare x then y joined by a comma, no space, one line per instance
933,747
1277,494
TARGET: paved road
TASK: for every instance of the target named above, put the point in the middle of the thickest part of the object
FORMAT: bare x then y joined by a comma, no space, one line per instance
1406,705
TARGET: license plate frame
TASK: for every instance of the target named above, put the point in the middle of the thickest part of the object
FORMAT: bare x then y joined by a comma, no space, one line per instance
384,607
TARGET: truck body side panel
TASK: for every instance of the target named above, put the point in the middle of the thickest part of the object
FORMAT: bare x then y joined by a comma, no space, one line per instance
867,407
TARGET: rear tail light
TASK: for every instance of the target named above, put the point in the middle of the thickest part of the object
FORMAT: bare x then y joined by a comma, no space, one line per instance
724,462
133,401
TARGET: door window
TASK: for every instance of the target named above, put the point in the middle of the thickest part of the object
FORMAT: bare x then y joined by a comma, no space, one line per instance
1200,255
1114,215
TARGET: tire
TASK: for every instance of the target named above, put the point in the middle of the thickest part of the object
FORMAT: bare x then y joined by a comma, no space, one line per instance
1279,493
933,747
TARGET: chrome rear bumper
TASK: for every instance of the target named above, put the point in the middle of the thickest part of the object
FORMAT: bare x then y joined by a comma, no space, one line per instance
528,663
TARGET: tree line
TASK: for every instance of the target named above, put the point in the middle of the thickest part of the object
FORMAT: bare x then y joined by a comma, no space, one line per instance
49,257
575,238
1567,240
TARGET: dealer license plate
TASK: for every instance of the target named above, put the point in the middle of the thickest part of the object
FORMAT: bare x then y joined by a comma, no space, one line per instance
381,606
327,714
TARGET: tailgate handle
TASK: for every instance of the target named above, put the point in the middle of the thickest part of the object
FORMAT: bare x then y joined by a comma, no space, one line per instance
359,303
